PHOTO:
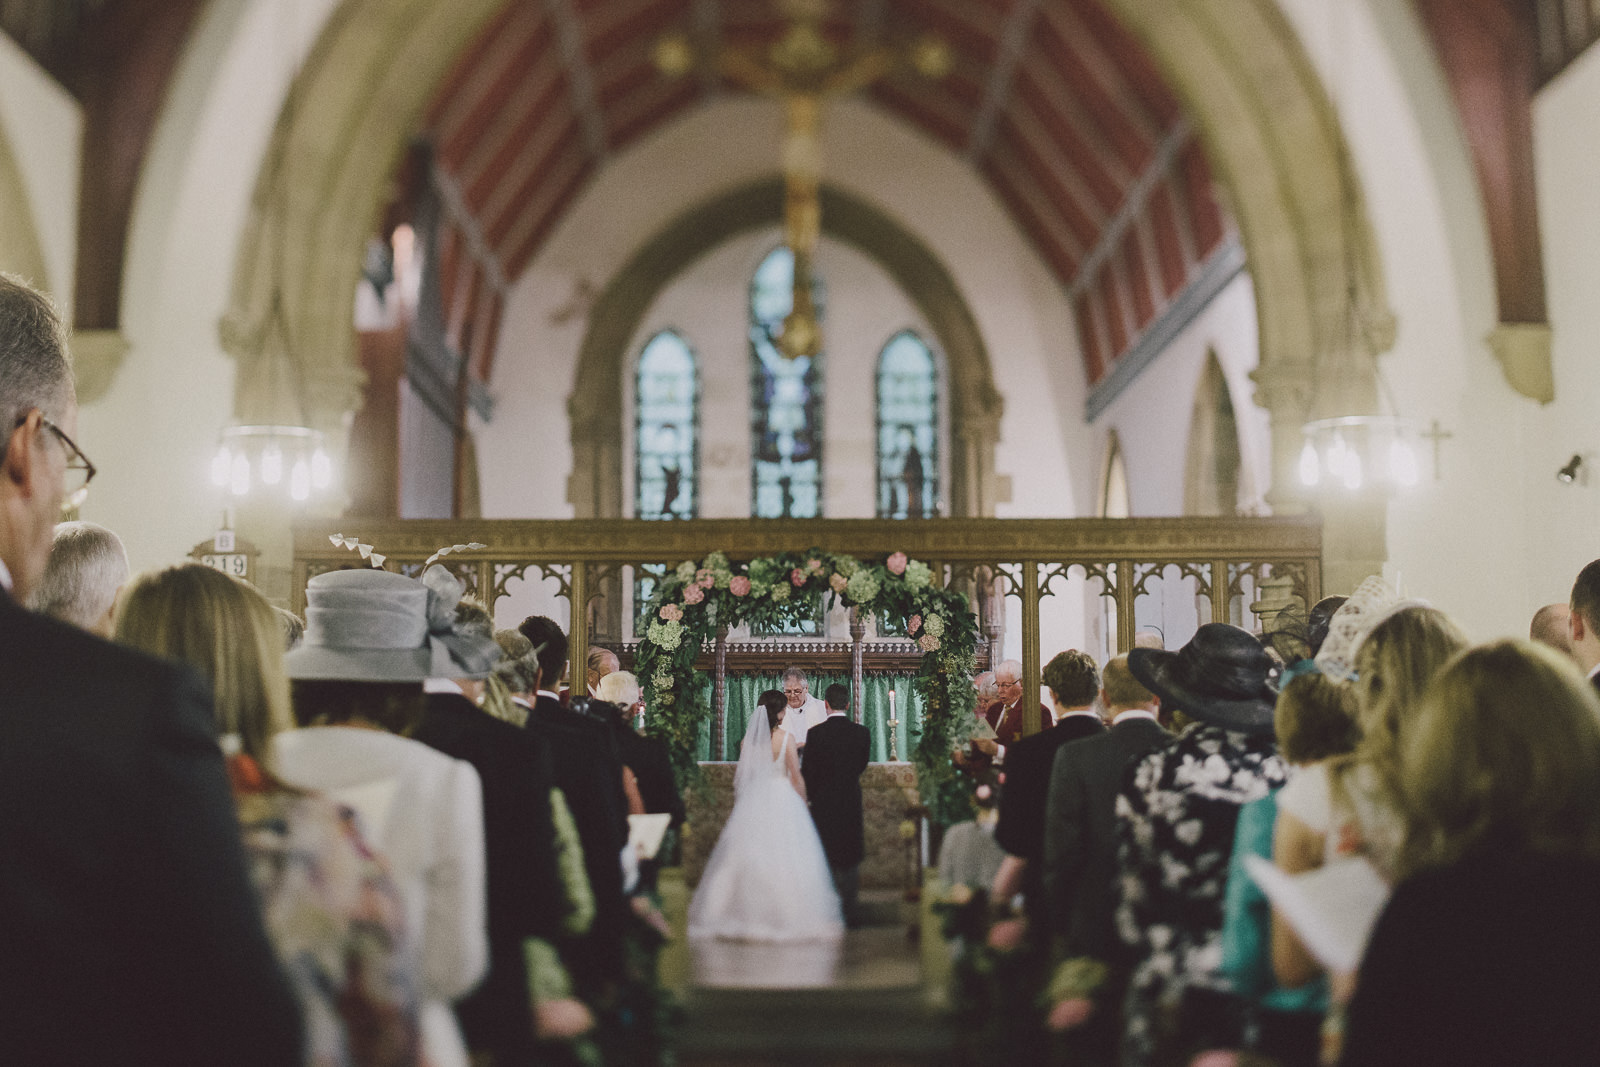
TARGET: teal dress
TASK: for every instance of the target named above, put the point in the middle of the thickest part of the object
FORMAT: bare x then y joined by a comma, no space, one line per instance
1247,937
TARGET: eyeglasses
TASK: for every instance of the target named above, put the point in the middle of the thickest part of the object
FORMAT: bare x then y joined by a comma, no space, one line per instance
80,472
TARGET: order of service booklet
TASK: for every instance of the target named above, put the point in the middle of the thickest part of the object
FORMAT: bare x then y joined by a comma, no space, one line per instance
645,833
1332,908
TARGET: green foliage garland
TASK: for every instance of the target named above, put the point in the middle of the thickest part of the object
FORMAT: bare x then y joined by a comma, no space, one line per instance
693,599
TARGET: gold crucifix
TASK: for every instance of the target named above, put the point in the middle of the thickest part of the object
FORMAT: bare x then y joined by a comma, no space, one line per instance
805,70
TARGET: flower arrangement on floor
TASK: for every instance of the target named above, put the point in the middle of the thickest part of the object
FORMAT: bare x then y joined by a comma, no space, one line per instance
692,600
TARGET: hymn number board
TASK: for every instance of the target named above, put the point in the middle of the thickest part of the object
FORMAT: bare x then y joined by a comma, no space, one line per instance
229,554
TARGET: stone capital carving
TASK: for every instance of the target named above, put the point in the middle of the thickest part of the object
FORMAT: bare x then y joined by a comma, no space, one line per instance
1523,349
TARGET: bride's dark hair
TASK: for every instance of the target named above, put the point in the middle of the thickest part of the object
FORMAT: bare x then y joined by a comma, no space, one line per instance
774,701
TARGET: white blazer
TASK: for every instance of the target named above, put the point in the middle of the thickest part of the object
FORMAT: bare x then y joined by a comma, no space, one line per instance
424,812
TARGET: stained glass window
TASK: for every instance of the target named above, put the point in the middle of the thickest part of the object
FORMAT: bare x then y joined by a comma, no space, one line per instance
908,429
666,475
786,401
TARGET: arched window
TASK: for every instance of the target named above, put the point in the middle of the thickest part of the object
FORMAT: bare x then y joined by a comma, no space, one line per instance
785,401
667,471
908,429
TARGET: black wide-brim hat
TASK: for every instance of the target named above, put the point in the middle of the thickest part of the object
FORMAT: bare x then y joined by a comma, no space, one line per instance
1221,677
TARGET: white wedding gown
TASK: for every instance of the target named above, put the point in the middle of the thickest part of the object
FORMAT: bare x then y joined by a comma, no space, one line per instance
767,879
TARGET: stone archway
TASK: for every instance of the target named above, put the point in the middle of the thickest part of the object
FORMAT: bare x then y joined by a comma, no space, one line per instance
1269,131
595,488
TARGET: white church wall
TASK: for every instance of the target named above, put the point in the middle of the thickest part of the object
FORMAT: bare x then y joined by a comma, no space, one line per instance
1021,312
154,433
1561,520
44,126
1460,540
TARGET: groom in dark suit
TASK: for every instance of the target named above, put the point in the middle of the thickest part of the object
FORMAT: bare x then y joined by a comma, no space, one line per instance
836,754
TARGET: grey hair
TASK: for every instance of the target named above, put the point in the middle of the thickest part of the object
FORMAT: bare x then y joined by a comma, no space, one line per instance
35,369
87,566
1008,666
294,628
620,688
796,672
984,684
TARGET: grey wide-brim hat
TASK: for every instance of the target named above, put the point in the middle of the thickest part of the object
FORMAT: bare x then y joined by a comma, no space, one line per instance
1221,677
378,626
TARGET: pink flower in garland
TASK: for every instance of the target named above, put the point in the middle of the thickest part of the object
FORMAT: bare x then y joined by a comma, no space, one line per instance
838,582
814,566
693,594
704,578
897,563
671,612
739,586
914,625
797,577
928,643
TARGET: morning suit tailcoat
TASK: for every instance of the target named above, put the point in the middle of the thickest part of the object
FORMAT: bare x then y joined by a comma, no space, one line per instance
1080,839
525,894
585,767
131,933
1020,830
837,751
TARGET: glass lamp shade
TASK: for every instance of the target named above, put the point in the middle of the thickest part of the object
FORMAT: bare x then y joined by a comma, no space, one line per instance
1357,452
261,456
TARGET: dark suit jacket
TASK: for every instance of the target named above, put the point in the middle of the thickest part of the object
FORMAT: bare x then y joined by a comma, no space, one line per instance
585,768
525,893
651,763
1080,841
1020,830
131,931
837,751
1010,727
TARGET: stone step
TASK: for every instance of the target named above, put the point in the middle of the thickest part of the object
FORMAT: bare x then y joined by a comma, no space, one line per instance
835,1027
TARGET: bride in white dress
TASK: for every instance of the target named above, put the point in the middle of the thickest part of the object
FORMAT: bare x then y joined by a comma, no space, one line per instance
767,879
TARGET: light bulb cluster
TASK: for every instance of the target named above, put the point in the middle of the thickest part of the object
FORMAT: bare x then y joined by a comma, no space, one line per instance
288,459
1359,451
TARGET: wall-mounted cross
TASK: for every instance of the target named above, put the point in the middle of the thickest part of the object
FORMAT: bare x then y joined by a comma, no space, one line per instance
1437,435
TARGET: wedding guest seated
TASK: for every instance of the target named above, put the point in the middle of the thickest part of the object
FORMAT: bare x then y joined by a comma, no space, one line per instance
332,911
1080,866
968,855
526,897
1351,805
1315,721
1176,813
371,638
86,568
1489,950
1074,685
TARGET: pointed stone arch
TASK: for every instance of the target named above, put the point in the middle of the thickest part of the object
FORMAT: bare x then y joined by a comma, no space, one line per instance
1215,460
1269,130
595,487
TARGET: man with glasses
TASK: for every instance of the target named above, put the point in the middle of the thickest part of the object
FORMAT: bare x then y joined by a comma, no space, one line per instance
131,933
1009,716
805,710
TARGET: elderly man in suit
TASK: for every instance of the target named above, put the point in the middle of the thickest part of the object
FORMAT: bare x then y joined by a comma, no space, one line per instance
1080,850
1011,716
837,752
132,933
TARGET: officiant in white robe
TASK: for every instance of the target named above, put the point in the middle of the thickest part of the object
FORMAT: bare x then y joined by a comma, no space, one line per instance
805,710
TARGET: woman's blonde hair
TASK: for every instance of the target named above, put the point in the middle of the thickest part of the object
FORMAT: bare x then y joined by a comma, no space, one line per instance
1315,719
1504,754
225,630
1394,666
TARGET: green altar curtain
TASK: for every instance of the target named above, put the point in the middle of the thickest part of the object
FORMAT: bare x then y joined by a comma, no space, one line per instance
743,689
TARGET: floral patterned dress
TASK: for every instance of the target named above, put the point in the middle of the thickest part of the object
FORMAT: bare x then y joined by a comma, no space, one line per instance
1175,821
336,920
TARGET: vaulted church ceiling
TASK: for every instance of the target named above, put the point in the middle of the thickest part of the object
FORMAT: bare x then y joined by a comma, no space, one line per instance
1052,101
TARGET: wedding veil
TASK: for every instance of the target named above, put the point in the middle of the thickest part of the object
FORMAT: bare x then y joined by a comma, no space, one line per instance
755,751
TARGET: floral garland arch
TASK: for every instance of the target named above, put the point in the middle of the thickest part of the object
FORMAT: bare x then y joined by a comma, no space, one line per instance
693,600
